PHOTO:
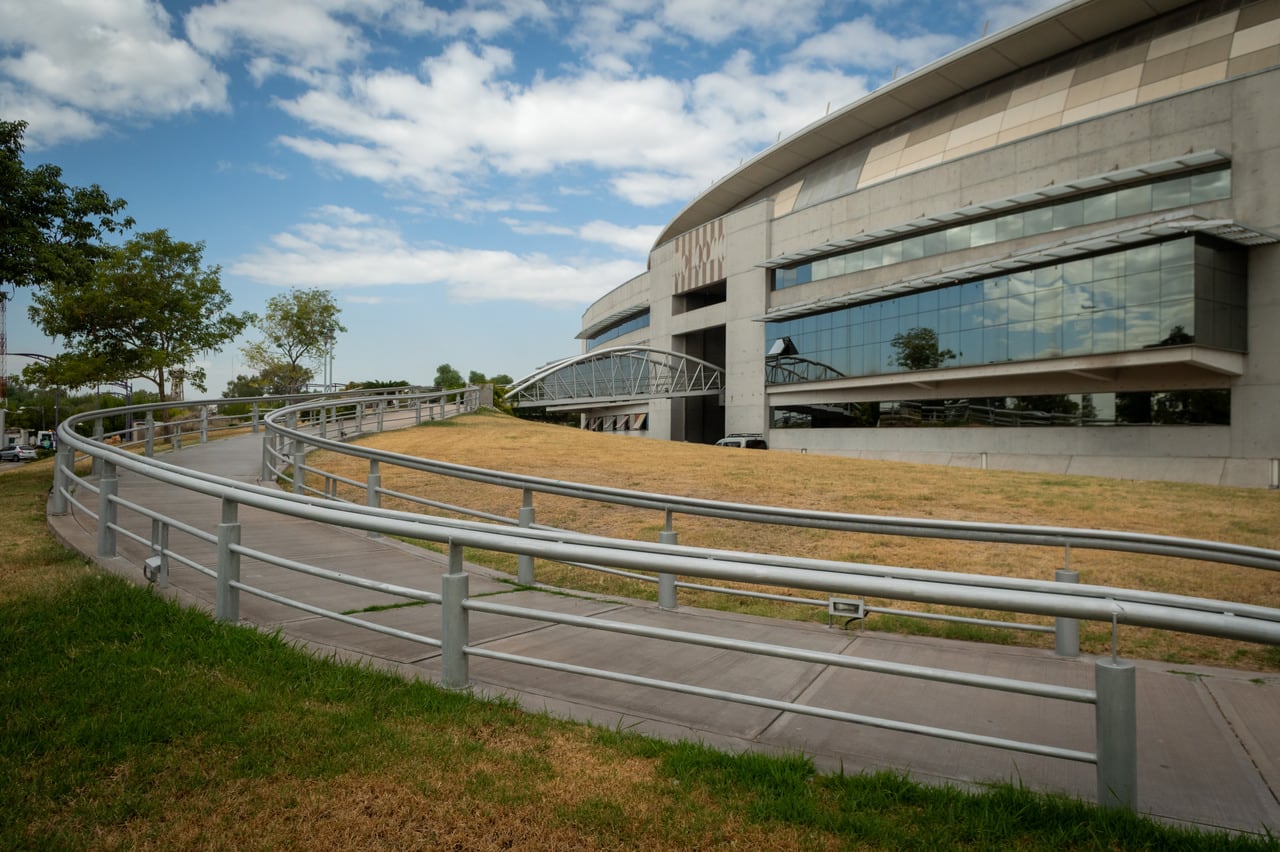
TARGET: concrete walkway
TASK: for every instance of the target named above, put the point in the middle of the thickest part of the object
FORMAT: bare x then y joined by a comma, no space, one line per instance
1209,739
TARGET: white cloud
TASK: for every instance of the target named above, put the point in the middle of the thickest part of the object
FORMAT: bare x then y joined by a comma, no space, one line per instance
635,240
999,16
301,32
660,139
351,253
715,20
66,62
862,43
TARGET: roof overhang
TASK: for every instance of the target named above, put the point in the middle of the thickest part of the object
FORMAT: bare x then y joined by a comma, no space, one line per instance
1189,367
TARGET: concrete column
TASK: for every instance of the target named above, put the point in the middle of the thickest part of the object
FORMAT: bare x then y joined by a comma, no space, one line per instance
1117,733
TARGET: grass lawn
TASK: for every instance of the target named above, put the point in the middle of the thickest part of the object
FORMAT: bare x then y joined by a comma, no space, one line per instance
132,723
826,483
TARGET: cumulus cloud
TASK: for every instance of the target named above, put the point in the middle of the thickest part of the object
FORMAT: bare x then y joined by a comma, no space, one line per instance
861,42
344,250
65,63
659,138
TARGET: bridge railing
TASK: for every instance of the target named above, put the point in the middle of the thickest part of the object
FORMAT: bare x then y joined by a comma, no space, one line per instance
145,530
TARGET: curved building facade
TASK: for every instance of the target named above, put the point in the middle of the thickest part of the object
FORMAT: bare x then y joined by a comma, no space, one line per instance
1053,250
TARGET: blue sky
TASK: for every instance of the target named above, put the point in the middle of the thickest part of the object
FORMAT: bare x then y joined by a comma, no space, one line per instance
465,178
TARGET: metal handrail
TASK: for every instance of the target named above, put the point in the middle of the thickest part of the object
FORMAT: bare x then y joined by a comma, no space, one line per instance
1112,698
1024,534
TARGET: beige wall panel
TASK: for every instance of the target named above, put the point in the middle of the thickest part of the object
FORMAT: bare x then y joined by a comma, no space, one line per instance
1256,38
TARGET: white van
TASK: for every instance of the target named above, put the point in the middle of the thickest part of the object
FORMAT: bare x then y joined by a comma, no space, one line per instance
749,442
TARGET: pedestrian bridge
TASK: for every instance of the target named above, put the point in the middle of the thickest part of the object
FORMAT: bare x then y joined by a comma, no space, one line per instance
617,374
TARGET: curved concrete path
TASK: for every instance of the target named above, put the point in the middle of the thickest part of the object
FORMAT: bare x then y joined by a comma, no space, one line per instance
1209,742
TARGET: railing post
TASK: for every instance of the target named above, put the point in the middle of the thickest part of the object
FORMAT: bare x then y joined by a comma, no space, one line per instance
160,547
1066,631
359,418
204,424
150,450
382,410
228,596
108,486
524,562
97,439
254,427
177,436
299,458
667,581
324,421
1117,733
454,622
266,458
373,497
63,465
417,411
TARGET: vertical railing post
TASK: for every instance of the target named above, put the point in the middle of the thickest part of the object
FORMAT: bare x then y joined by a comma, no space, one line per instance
63,465
454,622
1066,631
297,456
97,439
382,411
266,458
667,581
324,421
254,428
160,549
373,494
1117,733
204,424
524,562
108,487
359,418
150,450
417,411
228,596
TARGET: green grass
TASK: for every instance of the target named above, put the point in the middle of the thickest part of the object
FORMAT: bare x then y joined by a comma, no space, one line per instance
129,721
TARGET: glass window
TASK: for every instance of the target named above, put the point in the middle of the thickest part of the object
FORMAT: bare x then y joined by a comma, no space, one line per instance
1171,193
1068,214
935,243
1048,338
958,238
1099,208
995,344
1021,339
820,269
982,233
913,248
1211,186
1077,336
1133,201
1142,289
1048,303
892,253
1009,227
872,258
1039,221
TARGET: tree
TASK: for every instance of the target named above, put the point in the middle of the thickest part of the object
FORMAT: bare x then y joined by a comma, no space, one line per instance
297,330
447,378
917,349
147,311
50,233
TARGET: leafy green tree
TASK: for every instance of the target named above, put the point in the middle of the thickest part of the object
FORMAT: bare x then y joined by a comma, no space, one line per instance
447,377
50,233
297,331
147,312
917,349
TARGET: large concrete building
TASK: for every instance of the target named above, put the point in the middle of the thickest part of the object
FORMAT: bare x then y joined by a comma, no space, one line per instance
1054,250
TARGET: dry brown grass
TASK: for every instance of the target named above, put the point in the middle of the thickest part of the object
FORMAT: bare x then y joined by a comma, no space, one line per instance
1244,516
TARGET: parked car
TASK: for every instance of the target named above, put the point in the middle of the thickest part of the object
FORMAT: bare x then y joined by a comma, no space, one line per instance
17,453
750,442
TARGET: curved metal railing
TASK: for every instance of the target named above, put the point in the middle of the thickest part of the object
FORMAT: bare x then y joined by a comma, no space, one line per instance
292,431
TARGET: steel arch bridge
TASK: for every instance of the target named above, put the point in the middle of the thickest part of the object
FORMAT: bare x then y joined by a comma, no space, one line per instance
617,374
